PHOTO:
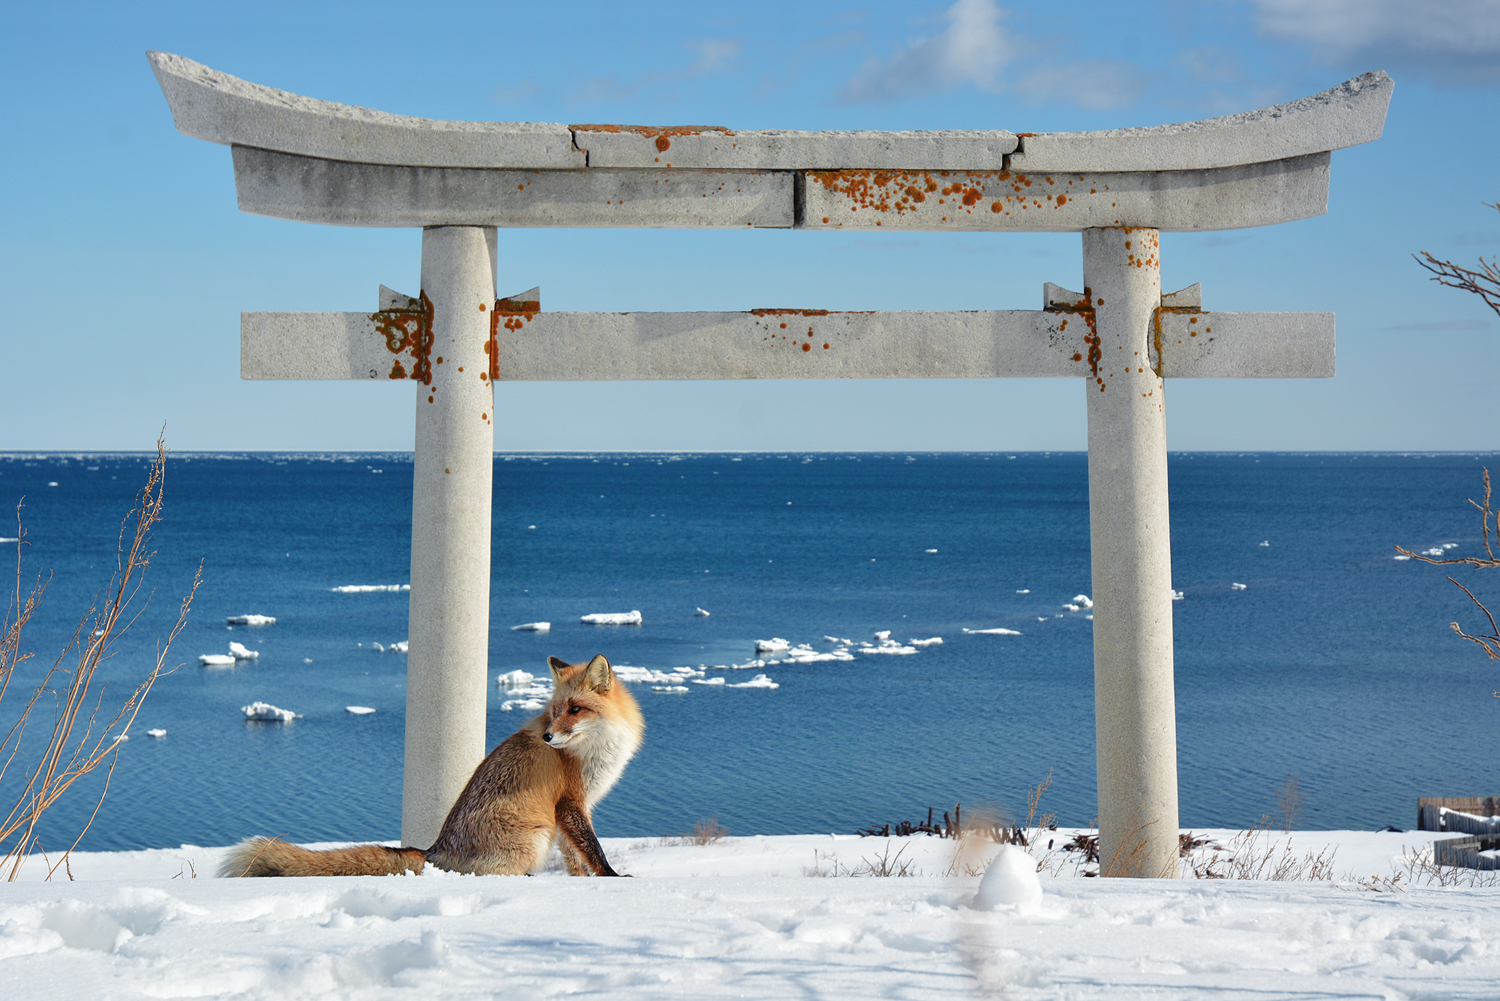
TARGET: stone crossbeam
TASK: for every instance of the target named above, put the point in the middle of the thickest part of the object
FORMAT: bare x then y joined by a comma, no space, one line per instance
802,344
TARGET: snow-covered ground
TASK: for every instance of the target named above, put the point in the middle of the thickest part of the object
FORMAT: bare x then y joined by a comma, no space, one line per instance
755,917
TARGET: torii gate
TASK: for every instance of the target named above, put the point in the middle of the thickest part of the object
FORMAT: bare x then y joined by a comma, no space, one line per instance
314,161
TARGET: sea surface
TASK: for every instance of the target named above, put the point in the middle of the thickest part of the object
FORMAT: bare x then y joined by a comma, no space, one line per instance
1332,664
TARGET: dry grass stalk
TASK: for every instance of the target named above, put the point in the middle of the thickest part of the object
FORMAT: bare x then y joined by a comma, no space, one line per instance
1421,869
1255,854
77,744
1289,799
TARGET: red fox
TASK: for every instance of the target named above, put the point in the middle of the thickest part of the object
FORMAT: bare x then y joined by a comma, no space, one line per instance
535,789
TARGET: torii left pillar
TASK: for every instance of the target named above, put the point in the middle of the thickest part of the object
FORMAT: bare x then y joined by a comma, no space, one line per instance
448,652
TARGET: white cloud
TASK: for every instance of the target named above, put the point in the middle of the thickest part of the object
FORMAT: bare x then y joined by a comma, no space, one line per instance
971,49
1455,39
714,55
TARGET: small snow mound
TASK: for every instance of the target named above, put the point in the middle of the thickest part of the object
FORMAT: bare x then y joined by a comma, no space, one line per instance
238,651
613,618
358,710
216,659
269,713
1010,879
532,627
251,620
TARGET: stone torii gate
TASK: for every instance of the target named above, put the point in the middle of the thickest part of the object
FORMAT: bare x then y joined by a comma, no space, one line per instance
314,161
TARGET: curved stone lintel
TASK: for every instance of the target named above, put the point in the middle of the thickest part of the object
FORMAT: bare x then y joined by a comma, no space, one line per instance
210,105
1346,115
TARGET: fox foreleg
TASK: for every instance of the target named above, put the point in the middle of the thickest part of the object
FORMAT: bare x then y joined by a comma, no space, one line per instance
580,847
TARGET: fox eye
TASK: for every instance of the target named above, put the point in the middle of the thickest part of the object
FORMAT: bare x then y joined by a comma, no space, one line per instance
574,710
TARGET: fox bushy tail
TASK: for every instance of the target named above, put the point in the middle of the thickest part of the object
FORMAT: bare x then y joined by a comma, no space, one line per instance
273,857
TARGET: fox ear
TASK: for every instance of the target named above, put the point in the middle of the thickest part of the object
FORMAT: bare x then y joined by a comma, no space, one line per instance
599,675
557,666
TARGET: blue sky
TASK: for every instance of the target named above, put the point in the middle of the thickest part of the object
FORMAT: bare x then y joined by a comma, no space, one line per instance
129,264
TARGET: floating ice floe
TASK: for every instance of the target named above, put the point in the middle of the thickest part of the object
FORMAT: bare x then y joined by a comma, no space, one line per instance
267,712
238,651
399,646
156,732
529,705
933,641
8,538
1083,601
1266,543
997,631
883,635
1073,608
367,588
1400,556
1178,595
533,627
773,645
804,654
1434,551
217,659
1237,587
759,681
252,620
358,710
708,681
700,613
885,645
931,550
613,618
1024,590
650,676
515,679
670,689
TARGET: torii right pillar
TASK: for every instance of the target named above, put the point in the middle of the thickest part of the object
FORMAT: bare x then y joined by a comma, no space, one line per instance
1134,703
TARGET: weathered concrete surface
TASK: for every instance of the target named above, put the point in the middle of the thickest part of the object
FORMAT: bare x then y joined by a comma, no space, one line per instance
1134,702
789,344
773,149
1257,194
207,104
1343,116
306,189
448,656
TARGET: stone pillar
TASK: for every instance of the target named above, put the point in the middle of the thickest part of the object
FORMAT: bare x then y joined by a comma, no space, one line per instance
448,656
1134,703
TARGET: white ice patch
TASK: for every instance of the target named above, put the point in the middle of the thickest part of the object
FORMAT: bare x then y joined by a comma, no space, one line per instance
1237,587
515,679
216,659
997,631
670,689
532,627
708,681
358,710
613,618
1178,595
267,712
932,641
529,705
700,613
156,732
252,620
759,681
650,676
1400,557
1083,601
238,651
773,645
367,588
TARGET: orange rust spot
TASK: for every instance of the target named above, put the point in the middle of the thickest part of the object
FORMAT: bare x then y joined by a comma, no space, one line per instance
807,347
783,326
1062,200
1077,356
655,131
825,345
408,328
789,312
995,206
663,143
397,372
482,307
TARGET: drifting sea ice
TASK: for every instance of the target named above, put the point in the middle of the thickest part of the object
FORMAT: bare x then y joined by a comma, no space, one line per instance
700,613
1237,587
773,645
238,651
529,705
708,681
358,710
933,641
156,732
532,627
368,588
670,689
759,681
267,712
515,679
646,675
216,659
252,620
1083,601
997,631
613,618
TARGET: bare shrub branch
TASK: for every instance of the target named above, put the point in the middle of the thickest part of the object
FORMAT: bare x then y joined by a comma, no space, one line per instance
78,744
1487,514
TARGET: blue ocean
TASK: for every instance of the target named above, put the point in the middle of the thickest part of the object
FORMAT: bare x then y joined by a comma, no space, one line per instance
1303,647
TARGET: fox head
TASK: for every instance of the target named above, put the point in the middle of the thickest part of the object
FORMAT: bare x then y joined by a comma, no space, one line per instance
584,701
